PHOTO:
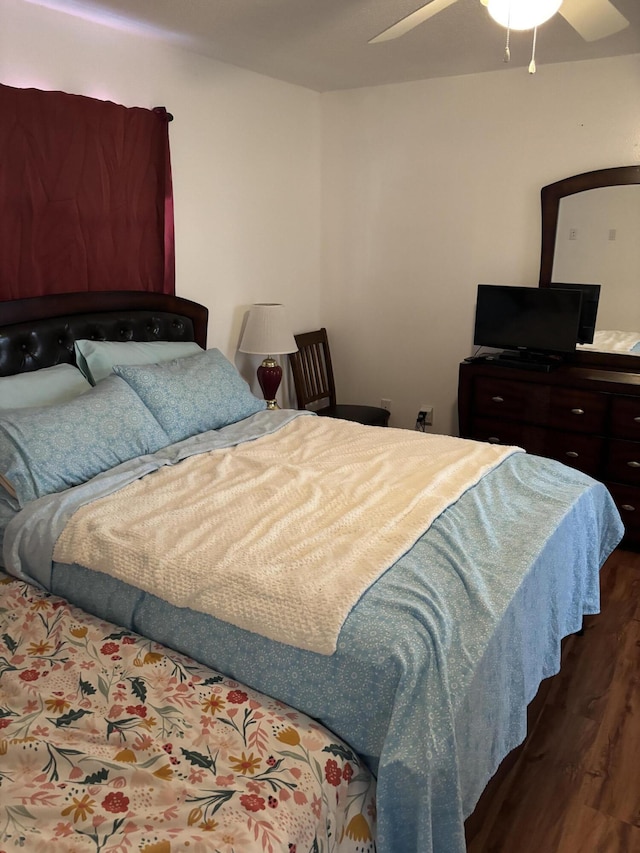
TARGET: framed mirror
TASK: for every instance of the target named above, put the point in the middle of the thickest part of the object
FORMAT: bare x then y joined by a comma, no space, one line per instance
591,235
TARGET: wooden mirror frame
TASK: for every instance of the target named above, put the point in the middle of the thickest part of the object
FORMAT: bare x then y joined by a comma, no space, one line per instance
550,197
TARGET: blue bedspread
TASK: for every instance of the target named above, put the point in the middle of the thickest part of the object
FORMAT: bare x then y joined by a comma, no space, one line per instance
438,660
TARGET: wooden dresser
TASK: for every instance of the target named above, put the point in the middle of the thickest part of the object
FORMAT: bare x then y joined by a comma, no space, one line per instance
585,417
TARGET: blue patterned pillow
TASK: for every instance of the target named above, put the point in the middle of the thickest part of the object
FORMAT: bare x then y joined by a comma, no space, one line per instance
193,394
48,449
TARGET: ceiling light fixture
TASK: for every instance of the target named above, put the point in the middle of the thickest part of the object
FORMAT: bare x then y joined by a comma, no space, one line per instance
522,14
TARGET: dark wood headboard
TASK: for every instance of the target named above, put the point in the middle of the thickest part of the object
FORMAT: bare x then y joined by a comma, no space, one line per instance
41,331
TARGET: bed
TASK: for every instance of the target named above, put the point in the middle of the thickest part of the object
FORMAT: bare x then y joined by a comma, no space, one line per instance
614,341
416,633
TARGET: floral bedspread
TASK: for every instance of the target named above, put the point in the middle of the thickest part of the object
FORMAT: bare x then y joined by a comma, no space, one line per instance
110,742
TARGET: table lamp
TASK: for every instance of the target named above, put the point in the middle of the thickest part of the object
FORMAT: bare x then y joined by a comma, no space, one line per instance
268,332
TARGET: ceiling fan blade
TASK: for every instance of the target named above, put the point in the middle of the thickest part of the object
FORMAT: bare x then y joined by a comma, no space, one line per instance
593,19
412,20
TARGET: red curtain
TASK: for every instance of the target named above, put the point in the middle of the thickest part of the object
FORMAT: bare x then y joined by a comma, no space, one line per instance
86,200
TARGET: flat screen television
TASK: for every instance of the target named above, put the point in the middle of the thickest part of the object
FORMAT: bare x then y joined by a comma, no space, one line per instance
533,321
589,311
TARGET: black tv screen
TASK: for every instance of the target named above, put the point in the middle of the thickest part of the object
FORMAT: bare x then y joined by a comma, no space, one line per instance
535,319
589,311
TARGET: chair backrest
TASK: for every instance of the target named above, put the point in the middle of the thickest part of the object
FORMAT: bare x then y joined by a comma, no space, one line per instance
312,371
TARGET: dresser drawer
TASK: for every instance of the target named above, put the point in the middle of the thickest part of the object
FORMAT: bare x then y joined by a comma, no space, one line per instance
497,431
623,462
504,398
555,407
627,499
625,417
573,409
583,452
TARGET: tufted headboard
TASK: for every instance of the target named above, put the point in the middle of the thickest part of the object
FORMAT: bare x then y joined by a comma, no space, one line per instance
40,331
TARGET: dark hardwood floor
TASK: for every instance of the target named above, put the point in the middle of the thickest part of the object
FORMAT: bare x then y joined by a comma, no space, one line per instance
574,785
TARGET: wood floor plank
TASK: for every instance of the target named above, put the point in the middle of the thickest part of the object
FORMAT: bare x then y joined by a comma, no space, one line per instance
588,661
612,785
587,830
556,751
574,785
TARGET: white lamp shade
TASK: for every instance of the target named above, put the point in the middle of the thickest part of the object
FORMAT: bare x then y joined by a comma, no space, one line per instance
522,14
267,331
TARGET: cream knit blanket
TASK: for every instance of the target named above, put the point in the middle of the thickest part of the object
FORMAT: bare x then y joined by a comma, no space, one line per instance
281,535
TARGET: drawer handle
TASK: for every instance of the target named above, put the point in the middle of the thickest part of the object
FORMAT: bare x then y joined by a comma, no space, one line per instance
498,399
628,507
493,439
633,464
637,420
572,454
577,411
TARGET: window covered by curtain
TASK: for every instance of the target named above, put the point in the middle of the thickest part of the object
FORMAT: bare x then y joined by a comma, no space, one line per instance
86,199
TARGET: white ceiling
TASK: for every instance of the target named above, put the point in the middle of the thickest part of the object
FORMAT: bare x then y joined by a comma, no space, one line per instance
323,44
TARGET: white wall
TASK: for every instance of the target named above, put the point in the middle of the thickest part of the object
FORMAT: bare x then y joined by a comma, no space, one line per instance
245,153
431,188
375,211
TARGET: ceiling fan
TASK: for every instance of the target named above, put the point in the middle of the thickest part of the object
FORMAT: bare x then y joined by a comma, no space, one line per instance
592,19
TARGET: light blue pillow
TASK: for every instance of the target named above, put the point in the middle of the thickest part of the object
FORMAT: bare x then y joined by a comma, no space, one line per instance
194,394
42,387
96,358
49,449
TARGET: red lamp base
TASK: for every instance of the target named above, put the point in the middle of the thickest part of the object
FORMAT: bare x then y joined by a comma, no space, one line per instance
269,377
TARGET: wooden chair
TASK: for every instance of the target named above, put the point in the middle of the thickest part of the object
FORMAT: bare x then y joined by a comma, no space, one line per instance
314,383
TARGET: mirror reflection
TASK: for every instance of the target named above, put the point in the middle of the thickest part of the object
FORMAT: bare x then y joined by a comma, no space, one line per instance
597,241
590,229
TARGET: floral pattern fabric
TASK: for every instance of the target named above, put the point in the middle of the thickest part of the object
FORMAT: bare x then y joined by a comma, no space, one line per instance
112,743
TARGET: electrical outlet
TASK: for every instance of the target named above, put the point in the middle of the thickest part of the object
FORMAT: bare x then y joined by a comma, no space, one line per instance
425,418
386,404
